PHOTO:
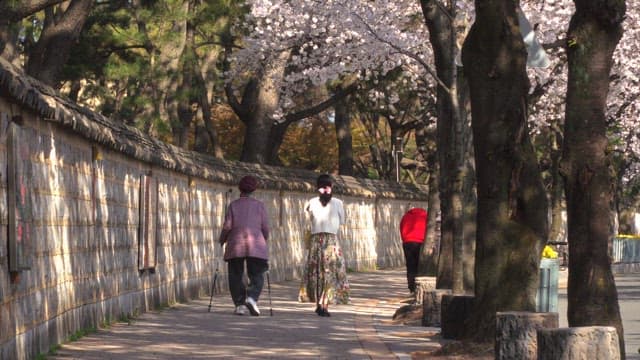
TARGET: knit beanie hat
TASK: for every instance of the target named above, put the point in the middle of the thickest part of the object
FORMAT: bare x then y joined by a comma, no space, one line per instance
248,184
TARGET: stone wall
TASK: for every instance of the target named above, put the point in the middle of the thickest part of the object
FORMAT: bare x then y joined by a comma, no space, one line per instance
99,221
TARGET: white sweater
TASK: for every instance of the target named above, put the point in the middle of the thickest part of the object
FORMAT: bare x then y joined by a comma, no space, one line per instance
325,219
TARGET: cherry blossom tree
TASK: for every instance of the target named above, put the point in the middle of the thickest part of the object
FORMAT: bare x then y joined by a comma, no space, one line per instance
362,39
594,32
599,136
512,204
329,40
316,43
548,94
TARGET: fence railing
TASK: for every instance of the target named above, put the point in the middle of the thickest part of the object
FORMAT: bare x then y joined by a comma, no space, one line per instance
626,249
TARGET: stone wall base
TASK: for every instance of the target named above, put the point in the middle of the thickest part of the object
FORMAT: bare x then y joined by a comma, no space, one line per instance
516,333
432,307
578,343
455,310
423,284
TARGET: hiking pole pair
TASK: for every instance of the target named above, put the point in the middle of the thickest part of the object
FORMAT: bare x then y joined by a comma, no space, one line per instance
213,286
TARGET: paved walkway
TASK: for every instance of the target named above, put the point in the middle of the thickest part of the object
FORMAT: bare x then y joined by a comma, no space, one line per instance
628,286
362,330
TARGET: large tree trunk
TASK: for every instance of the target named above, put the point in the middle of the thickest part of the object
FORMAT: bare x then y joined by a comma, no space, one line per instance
440,34
426,144
343,134
593,35
450,127
558,224
61,30
210,142
186,97
12,13
512,204
469,196
259,119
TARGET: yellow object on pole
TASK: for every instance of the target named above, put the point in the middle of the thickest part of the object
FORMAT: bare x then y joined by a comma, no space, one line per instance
549,253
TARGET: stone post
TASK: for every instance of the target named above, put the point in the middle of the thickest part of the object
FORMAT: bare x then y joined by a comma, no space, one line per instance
432,306
455,309
423,285
516,333
577,343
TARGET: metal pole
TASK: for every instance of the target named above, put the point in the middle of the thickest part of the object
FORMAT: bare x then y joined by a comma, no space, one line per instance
269,292
397,153
213,286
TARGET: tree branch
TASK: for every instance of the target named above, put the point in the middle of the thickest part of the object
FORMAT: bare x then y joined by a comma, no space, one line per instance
405,53
16,10
338,95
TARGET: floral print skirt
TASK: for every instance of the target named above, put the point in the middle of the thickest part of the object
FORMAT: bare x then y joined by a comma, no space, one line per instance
325,272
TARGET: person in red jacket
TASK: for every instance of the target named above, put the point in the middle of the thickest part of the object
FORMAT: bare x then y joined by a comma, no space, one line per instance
413,227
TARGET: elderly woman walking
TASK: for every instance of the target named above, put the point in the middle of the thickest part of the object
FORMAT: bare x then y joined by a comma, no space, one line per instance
246,231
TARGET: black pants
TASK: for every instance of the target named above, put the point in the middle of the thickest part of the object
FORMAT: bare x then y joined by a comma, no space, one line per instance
255,270
411,258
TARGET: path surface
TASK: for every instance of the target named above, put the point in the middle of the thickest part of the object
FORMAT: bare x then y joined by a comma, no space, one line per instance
628,286
362,330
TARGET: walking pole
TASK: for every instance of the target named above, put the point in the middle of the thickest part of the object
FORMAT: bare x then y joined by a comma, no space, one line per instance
269,292
213,286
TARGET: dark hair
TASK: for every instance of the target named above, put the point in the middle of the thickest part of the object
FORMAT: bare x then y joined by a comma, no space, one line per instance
322,181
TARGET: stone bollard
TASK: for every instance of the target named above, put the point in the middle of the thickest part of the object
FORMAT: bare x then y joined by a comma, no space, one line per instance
423,285
516,333
455,309
432,307
578,343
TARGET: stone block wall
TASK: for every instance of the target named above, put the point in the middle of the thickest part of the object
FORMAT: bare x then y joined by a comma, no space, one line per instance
112,223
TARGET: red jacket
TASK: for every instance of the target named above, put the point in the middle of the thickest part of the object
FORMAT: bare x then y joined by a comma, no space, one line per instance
413,225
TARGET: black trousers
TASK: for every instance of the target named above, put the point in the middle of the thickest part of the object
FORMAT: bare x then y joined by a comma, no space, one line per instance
411,258
255,270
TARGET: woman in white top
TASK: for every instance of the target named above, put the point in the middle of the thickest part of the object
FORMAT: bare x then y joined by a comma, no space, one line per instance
325,274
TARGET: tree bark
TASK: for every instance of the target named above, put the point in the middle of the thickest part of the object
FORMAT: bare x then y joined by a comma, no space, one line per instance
594,32
469,195
450,147
186,96
260,98
426,145
61,30
259,119
343,134
512,205
12,13
557,228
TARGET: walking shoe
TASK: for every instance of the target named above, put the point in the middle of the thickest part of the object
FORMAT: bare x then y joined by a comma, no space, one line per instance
240,310
253,306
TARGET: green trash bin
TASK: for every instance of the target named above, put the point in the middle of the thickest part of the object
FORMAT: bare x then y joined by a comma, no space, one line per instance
547,296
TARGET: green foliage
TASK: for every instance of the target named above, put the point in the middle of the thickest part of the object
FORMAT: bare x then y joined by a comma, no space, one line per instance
132,56
128,58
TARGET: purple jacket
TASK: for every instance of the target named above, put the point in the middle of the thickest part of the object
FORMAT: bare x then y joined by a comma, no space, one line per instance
245,229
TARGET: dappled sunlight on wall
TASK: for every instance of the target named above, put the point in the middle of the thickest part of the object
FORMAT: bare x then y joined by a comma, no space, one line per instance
87,255
358,238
